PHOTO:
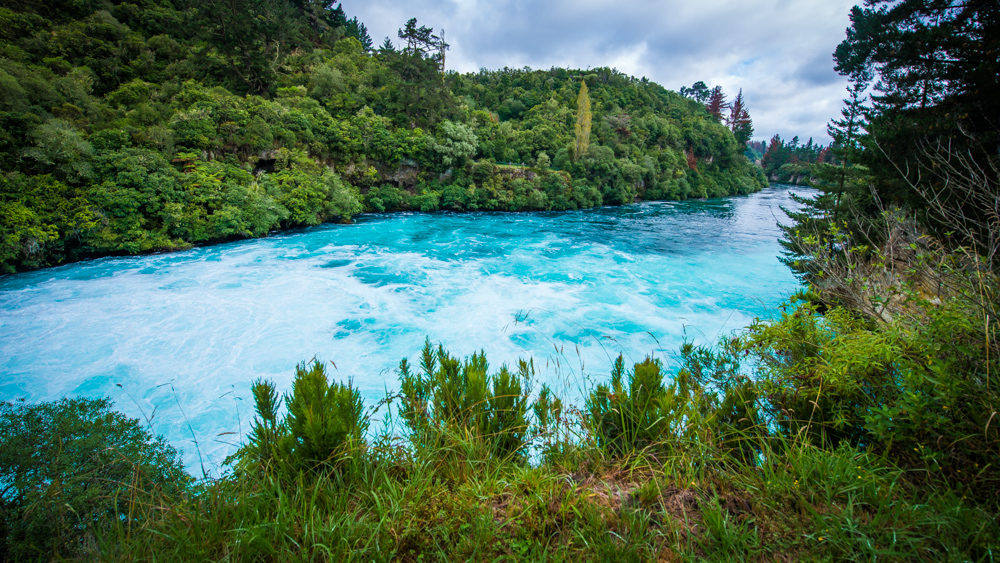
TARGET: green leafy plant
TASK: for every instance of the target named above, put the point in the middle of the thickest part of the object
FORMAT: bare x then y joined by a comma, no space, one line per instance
636,411
914,389
325,423
72,469
450,397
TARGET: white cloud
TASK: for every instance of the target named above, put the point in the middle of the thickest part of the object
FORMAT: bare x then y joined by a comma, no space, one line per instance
777,51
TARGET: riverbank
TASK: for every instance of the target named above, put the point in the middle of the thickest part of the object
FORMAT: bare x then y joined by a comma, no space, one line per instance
834,437
185,151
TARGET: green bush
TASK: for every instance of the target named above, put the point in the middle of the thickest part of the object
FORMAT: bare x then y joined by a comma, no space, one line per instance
730,397
325,420
708,408
39,215
387,198
916,389
426,201
634,411
325,424
455,398
73,468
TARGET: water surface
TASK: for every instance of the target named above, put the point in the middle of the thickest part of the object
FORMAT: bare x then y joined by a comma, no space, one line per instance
177,338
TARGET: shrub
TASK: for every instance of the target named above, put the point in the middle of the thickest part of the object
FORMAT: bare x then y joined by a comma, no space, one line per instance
547,409
325,423
71,468
731,398
916,389
452,397
325,420
636,410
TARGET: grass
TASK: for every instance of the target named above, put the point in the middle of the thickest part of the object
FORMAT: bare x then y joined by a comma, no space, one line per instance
393,503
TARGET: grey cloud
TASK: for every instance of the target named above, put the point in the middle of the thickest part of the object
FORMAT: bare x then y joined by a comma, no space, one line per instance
818,71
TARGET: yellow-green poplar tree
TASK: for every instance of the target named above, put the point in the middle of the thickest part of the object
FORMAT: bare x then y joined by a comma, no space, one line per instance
582,122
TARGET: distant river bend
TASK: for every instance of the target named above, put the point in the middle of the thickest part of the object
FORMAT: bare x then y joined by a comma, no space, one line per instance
177,338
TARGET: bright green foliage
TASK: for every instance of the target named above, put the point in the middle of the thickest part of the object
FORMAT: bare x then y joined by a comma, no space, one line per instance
685,488
731,399
138,187
801,503
325,420
311,194
325,424
39,218
918,392
637,411
265,430
222,201
178,125
712,465
640,139
59,148
72,469
709,408
547,409
455,143
450,397
583,123
901,249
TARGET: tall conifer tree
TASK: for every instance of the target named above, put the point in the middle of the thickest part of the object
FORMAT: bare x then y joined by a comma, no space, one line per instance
583,118
841,185
739,120
846,133
716,102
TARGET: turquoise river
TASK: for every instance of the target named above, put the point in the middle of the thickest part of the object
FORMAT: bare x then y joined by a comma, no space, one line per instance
176,339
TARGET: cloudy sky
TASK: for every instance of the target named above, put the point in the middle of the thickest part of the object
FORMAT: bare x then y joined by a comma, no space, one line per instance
777,51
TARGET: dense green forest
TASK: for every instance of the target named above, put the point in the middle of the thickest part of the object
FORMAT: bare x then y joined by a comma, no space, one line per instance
136,127
860,424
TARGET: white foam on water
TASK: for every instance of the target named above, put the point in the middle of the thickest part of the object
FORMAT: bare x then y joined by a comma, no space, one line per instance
185,334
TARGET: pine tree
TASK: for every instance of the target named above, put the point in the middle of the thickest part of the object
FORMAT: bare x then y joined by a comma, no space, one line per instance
359,31
936,73
774,154
840,184
249,35
583,118
422,41
716,102
845,133
698,92
418,39
739,120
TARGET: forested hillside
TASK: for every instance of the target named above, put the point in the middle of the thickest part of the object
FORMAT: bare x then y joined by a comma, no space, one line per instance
130,127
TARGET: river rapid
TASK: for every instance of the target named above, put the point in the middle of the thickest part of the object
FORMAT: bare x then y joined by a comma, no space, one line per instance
176,339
